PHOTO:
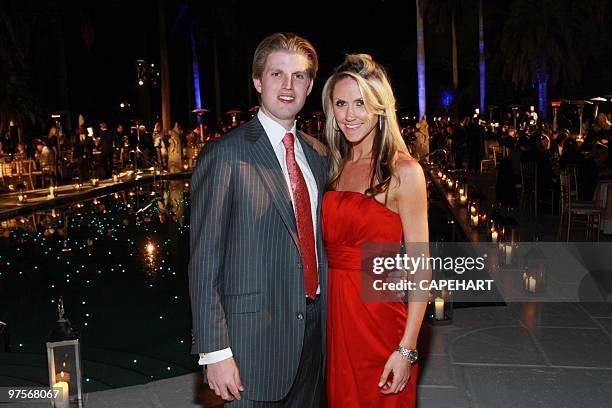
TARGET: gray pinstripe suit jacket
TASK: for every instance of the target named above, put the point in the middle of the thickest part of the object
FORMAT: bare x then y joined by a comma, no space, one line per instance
245,273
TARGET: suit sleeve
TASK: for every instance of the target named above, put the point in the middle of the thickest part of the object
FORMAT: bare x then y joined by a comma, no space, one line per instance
210,213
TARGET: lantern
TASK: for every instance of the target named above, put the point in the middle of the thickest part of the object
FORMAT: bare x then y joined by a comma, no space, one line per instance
64,361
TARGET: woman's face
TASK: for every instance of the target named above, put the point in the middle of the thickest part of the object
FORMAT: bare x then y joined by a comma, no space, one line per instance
350,111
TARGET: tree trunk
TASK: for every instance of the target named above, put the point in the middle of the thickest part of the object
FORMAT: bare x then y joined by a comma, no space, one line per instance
195,67
542,96
165,74
62,78
420,60
481,48
454,53
217,82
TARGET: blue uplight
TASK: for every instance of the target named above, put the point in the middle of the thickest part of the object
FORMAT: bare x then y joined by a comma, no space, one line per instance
447,97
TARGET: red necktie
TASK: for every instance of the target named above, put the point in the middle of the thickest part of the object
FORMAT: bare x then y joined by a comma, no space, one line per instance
303,217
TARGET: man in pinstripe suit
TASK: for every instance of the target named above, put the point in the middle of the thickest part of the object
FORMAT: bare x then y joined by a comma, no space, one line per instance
257,273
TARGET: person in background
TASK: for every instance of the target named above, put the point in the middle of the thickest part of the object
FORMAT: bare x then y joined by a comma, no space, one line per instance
107,141
21,152
46,160
175,149
159,142
83,148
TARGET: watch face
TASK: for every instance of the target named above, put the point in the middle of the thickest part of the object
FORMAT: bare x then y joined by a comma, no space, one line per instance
414,355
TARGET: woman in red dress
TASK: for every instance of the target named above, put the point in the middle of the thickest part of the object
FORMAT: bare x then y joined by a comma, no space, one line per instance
377,194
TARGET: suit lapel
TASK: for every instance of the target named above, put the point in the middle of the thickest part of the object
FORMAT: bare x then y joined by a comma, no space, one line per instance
271,174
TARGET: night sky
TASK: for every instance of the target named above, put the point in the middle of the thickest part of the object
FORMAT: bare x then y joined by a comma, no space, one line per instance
103,39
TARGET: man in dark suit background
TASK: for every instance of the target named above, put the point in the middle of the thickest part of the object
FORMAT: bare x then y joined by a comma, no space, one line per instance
83,148
258,272
107,140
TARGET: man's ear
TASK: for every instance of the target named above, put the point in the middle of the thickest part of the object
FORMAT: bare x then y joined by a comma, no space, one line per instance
257,84
310,86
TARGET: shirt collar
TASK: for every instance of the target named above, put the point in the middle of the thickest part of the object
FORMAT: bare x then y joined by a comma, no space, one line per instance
275,131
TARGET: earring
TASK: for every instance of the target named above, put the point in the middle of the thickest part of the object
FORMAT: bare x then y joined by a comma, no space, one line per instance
336,127
380,122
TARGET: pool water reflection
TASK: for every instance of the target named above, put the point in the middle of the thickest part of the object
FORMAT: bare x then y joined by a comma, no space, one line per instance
120,264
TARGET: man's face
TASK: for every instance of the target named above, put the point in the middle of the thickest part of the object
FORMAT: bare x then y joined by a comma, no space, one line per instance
284,86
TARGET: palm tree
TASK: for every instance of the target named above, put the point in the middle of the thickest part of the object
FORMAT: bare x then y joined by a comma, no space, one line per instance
165,74
544,42
421,58
441,13
481,58
17,100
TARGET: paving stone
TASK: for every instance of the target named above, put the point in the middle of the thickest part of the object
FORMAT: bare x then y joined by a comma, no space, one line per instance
576,347
436,370
483,316
442,397
598,309
552,314
607,325
505,387
496,345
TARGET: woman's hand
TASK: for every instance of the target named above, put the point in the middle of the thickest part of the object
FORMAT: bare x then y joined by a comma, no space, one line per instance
399,368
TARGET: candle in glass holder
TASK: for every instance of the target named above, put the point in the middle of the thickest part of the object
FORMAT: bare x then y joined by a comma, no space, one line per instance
530,283
63,397
494,236
463,199
21,198
461,191
439,174
439,305
51,192
94,182
474,220
472,209
115,178
185,167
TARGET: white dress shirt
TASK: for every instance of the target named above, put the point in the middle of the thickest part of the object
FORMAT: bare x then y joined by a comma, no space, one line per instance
276,132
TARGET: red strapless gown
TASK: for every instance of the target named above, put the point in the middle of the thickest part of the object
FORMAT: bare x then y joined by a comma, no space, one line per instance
360,335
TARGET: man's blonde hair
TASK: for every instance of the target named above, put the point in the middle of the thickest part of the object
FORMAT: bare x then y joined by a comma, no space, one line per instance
287,42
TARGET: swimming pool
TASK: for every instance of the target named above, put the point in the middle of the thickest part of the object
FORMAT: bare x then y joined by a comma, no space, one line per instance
120,264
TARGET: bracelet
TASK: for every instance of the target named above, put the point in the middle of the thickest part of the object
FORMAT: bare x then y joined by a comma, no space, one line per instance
411,355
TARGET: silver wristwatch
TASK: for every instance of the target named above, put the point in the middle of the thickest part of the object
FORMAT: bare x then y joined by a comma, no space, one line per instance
411,355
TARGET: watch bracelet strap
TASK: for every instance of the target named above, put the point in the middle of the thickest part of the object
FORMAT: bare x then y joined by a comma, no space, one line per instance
410,354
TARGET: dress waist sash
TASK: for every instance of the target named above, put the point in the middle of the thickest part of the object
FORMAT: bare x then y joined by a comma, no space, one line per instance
343,257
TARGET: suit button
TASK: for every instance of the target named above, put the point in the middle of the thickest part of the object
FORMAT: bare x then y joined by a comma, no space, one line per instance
300,316
299,264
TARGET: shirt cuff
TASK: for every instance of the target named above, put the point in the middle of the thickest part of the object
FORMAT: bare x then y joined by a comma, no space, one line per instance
215,356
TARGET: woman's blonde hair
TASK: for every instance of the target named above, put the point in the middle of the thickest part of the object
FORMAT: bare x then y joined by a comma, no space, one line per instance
378,98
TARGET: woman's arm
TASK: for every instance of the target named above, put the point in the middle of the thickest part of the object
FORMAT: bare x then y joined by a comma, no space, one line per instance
411,199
